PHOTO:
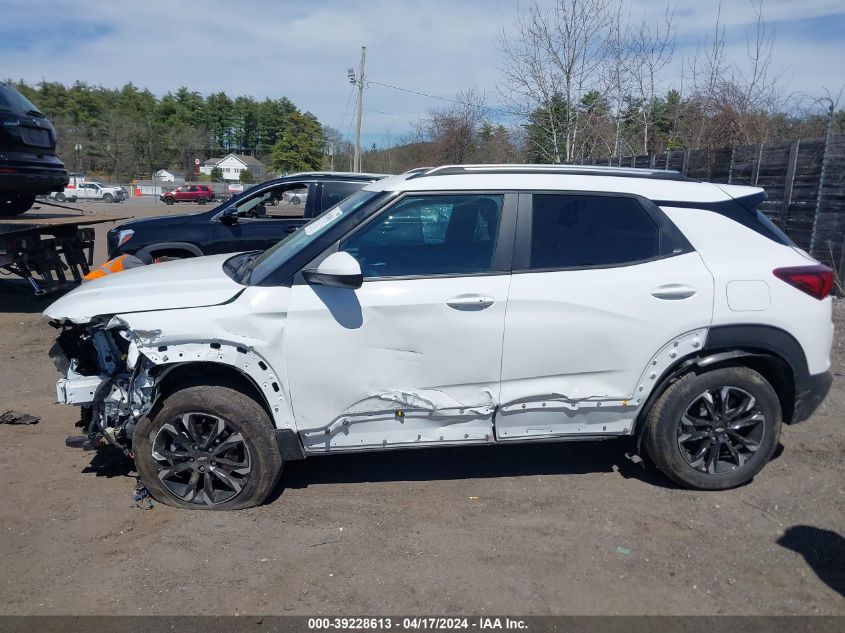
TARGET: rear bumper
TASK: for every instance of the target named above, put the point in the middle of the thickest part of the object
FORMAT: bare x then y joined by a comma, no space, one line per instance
810,392
24,177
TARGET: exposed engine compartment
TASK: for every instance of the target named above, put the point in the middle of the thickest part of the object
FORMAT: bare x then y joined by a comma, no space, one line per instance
107,377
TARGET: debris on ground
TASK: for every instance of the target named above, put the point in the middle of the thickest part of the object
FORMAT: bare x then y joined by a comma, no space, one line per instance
625,551
141,497
16,417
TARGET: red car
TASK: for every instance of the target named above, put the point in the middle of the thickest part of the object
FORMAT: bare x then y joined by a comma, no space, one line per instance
189,193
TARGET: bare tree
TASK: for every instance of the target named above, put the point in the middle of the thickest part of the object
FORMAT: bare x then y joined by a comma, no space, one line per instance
452,133
555,58
735,102
651,50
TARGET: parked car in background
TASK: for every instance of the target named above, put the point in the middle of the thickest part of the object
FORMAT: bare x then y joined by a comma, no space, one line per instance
28,162
200,194
464,305
96,191
68,195
295,197
253,220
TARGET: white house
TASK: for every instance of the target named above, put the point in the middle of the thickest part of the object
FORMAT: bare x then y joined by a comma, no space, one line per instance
165,175
233,164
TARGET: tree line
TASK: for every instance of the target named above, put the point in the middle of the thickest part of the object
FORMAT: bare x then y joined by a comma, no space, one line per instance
128,132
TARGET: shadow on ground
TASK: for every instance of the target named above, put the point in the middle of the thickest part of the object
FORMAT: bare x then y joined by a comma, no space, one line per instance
824,551
569,458
110,462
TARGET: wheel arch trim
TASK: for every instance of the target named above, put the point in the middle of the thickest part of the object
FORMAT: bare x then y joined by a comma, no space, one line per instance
229,355
732,345
184,246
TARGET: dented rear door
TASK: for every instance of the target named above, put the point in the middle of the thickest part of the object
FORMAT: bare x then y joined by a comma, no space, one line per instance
604,287
412,357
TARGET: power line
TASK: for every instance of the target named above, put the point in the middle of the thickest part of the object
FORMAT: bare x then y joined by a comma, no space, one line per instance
401,116
346,109
430,96
415,92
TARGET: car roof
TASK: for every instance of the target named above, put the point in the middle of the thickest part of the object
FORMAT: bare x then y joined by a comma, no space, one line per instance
654,184
330,175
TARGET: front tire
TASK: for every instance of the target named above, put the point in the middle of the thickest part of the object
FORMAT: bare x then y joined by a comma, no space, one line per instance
207,447
201,200
169,201
108,198
715,430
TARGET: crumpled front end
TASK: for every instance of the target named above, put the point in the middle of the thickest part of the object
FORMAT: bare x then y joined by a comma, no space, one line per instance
105,375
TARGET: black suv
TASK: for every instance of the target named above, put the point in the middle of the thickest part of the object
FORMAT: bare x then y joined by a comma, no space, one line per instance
253,220
28,162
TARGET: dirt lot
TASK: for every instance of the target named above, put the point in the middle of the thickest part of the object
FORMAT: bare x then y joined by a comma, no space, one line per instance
543,529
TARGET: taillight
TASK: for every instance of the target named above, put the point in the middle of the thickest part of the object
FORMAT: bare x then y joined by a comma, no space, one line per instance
816,280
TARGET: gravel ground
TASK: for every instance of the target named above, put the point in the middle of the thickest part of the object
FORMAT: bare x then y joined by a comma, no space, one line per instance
542,529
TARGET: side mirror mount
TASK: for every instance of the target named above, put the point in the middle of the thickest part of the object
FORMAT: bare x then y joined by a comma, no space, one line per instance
230,216
340,270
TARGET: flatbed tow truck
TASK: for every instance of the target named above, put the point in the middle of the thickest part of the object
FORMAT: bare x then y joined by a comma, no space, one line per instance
50,251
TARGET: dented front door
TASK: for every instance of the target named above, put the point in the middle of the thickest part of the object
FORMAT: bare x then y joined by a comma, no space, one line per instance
413,356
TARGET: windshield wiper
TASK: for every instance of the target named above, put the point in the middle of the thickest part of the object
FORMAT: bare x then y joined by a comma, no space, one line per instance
40,115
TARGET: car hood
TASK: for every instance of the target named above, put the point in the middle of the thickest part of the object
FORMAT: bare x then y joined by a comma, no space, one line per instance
188,283
162,220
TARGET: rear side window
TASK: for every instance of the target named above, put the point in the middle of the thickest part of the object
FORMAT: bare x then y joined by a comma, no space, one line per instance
334,192
13,101
571,231
430,235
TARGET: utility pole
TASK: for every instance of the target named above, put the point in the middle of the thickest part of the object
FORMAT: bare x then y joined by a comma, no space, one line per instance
360,81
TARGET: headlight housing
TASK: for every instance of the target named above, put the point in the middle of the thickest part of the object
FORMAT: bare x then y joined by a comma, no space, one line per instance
124,235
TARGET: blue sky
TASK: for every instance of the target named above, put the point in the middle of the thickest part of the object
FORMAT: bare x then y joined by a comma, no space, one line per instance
302,49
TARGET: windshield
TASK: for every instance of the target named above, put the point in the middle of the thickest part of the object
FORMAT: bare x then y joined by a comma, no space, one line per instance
12,100
274,257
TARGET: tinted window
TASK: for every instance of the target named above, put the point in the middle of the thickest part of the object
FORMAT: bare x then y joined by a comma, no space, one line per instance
572,230
430,235
334,192
11,99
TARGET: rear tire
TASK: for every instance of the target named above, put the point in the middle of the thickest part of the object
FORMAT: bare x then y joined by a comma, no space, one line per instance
60,197
16,204
715,430
207,447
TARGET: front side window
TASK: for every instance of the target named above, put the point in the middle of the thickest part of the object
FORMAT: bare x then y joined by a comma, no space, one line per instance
284,201
430,235
571,231
268,263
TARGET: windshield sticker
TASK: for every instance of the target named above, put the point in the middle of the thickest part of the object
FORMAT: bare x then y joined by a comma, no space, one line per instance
324,221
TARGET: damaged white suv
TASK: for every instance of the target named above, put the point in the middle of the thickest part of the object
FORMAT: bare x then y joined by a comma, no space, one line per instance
460,305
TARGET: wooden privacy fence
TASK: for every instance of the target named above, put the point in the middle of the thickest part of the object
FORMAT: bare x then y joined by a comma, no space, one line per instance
804,181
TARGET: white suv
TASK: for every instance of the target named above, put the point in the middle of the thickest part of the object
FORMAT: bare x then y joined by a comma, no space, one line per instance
460,305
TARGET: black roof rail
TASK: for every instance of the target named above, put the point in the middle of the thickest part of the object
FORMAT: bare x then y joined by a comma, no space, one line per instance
563,170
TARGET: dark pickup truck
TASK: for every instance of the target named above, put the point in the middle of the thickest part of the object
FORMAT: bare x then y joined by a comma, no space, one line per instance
253,220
